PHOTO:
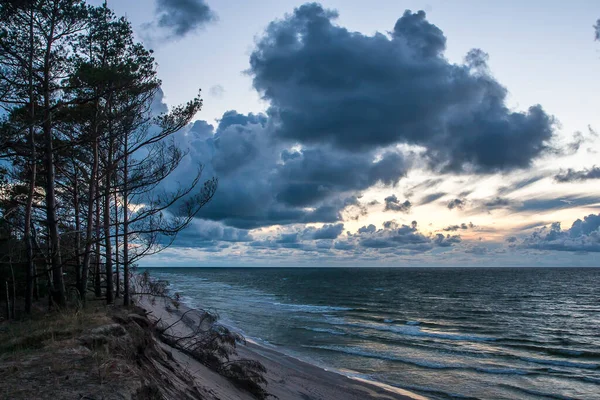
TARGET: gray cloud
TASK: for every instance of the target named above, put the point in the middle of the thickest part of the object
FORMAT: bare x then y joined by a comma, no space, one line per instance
579,139
394,235
543,204
331,231
583,236
477,250
399,238
308,239
459,204
597,30
232,117
262,182
532,225
498,202
326,84
208,234
313,174
422,186
287,238
446,241
217,91
393,204
536,204
181,17
523,183
573,176
430,198
463,226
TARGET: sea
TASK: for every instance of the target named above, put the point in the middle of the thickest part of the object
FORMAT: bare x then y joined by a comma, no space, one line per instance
444,333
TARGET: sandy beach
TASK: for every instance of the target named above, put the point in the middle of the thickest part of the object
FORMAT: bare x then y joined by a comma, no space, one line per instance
288,378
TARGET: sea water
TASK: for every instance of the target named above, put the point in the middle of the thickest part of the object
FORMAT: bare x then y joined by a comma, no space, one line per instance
445,333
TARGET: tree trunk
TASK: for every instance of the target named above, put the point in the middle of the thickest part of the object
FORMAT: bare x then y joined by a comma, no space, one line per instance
7,302
118,280
36,284
87,254
97,272
126,299
51,218
14,290
58,283
107,237
30,272
78,274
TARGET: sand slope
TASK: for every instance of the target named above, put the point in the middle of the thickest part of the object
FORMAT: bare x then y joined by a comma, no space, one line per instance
288,378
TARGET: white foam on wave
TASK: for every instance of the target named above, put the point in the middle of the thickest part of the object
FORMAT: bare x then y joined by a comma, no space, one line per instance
363,353
415,330
487,369
311,308
592,380
502,371
561,363
324,330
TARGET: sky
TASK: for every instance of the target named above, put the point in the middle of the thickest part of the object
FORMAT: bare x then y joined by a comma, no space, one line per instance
384,133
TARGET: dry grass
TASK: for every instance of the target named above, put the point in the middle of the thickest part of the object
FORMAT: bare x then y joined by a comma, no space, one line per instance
45,328
102,353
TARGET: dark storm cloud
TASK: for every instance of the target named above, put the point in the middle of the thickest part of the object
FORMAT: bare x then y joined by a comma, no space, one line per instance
207,234
583,236
574,176
311,175
458,204
326,84
264,182
244,159
393,204
232,117
181,17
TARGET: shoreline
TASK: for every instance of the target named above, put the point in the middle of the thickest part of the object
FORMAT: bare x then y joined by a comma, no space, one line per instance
288,377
